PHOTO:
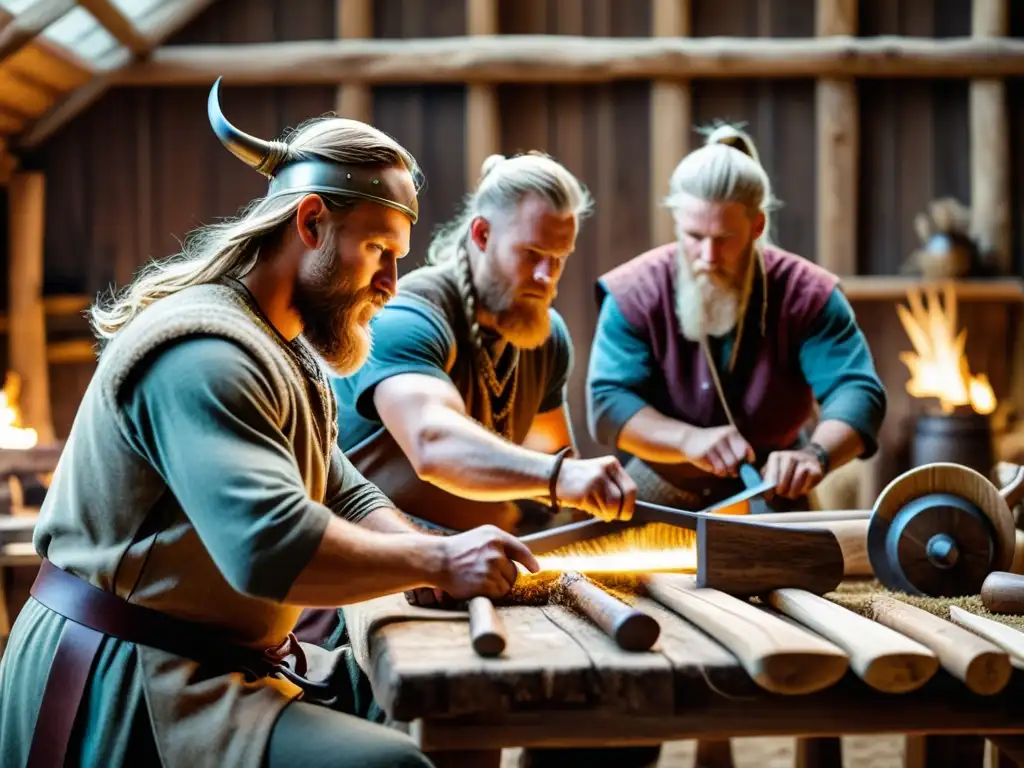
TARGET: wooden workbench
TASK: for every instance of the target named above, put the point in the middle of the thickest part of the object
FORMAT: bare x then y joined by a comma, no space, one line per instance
562,682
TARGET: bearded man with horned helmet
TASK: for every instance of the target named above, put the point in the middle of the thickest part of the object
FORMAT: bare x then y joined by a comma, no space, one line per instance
202,502
716,350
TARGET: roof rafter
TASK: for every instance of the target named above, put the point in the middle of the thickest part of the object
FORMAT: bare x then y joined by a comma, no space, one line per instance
157,26
117,24
28,24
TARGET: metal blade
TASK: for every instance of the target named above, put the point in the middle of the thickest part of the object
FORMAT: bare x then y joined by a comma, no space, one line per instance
649,512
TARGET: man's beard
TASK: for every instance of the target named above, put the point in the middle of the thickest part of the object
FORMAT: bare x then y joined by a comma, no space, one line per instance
706,304
525,323
335,316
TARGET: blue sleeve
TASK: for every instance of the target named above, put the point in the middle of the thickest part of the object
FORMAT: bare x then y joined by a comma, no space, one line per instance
620,374
409,336
206,417
562,364
837,363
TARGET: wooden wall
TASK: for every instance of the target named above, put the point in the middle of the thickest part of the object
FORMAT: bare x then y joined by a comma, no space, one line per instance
141,167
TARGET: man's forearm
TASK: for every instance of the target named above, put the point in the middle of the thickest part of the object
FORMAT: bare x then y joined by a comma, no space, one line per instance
653,436
388,520
842,442
463,458
353,564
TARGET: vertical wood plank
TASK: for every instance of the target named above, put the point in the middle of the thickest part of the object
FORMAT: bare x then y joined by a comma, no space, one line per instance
990,147
355,20
483,130
838,138
27,317
671,118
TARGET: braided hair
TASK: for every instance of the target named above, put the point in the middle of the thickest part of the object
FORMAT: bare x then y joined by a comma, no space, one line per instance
504,182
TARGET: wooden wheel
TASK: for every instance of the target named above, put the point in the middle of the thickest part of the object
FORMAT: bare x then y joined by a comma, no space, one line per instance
939,530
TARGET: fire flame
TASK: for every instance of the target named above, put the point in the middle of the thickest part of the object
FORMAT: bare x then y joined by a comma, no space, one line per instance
938,367
654,547
12,434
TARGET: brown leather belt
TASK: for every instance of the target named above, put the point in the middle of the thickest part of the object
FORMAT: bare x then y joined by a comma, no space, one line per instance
93,614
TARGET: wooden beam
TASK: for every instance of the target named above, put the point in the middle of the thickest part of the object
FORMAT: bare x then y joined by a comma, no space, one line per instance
671,118
569,59
24,27
990,146
157,26
117,24
26,338
838,133
355,21
483,124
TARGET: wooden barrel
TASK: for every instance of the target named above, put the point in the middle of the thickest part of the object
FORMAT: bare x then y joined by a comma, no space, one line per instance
961,438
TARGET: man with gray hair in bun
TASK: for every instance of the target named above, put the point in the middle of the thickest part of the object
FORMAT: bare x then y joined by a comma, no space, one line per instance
460,412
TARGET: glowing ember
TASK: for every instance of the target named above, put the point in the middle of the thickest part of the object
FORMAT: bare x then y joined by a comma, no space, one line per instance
938,366
12,434
650,548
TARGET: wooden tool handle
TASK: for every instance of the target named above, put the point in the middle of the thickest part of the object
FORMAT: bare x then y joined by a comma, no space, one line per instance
780,657
631,628
982,666
1009,639
1003,592
486,629
881,657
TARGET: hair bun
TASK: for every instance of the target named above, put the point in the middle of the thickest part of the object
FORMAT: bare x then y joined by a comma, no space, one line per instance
489,164
735,138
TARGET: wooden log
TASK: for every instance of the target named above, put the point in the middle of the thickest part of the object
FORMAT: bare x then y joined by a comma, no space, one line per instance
881,657
671,117
1009,639
990,146
1003,592
486,630
567,59
483,127
779,656
838,128
984,668
631,628
26,337
355,21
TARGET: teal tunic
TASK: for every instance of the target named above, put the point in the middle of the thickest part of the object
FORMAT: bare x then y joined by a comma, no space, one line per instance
834,358
198,479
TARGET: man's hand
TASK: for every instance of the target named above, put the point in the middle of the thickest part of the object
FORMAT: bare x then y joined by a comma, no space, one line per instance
482,562
719,450
795,472
598,486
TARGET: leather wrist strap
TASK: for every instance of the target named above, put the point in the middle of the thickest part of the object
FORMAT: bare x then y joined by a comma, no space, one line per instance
553,481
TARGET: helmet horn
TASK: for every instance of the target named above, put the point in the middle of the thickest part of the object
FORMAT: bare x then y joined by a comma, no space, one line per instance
262,155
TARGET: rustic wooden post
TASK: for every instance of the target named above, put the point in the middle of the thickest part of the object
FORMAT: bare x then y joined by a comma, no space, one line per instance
838,129
990,146
26,337
483,127
671,118
355,20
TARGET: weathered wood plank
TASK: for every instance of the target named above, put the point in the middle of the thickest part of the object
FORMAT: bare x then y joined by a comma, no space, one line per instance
563,58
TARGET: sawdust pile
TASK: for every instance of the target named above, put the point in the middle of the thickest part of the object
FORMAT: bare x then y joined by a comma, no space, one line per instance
857,595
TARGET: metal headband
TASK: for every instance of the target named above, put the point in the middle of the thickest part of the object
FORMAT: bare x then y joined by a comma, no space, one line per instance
305,174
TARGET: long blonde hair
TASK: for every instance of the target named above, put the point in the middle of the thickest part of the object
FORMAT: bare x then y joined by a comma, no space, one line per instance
717,173
231,247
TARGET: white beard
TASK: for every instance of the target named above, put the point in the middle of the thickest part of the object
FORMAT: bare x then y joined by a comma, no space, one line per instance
703,307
